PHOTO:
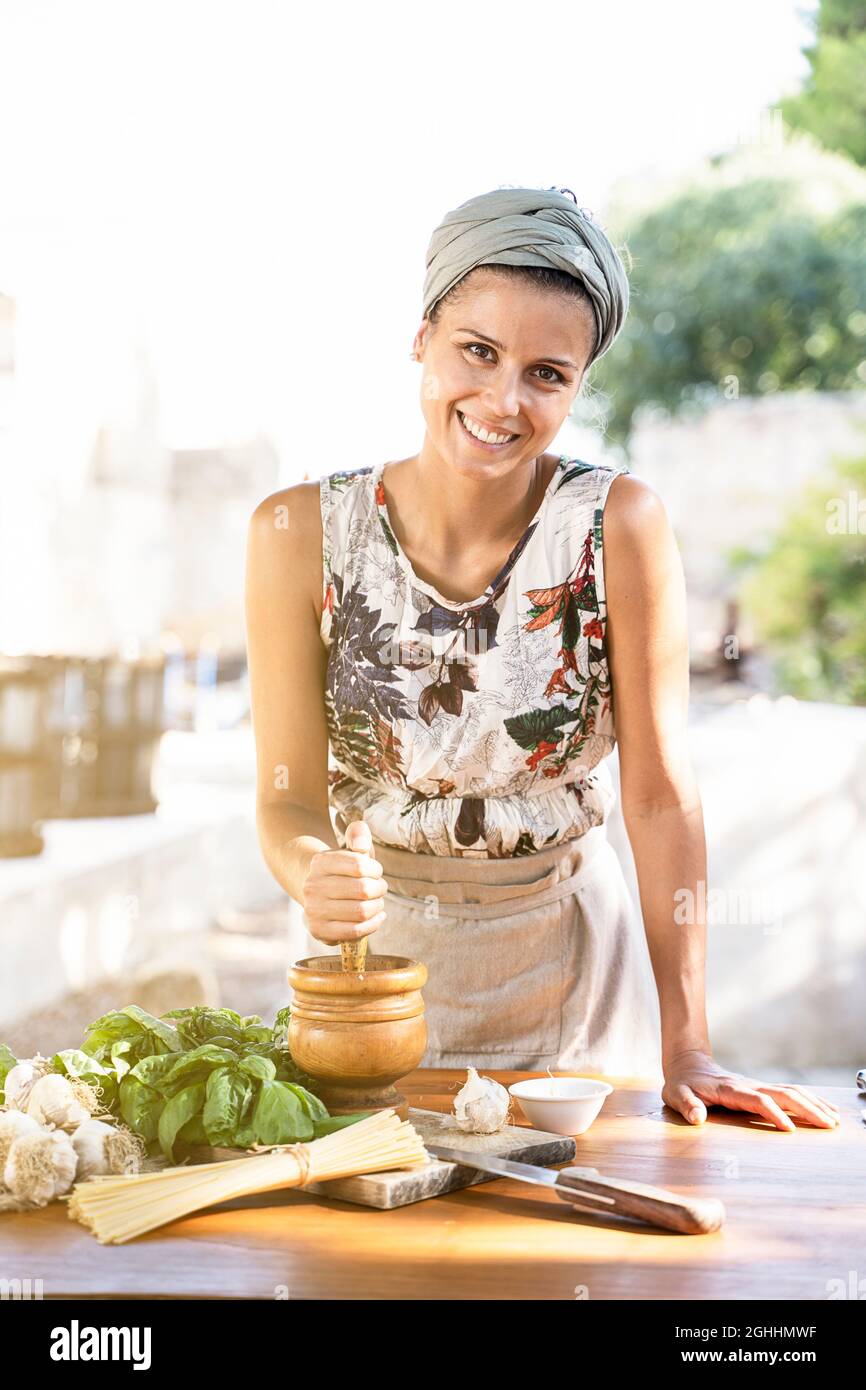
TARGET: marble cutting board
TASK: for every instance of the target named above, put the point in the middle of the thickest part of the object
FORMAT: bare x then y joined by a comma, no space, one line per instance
402,1186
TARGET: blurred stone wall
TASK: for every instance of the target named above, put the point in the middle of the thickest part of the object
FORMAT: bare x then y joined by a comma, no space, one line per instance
783,787
727,478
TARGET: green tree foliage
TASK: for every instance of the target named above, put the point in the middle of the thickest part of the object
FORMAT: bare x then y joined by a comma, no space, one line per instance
832,104
806,593
750,279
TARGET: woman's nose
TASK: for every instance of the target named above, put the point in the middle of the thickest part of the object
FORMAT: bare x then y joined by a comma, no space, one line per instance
502,398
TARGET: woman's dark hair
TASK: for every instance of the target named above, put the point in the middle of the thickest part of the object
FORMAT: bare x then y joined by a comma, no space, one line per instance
541,276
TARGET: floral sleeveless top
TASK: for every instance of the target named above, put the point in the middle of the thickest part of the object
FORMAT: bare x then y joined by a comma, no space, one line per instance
468,729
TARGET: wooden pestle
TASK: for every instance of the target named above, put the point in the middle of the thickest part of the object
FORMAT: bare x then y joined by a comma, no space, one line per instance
354,953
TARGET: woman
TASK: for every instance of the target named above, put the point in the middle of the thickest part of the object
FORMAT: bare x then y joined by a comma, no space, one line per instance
453,630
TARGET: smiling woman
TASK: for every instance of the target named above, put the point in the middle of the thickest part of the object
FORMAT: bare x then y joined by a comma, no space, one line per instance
550,351
458,628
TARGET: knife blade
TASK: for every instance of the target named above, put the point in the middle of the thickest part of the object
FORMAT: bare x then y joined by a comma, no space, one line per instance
586,1188
505,1167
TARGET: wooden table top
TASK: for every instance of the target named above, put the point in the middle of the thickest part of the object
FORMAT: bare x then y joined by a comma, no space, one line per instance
795,1203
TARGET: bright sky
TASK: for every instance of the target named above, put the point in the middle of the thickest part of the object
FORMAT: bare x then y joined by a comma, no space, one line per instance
249,187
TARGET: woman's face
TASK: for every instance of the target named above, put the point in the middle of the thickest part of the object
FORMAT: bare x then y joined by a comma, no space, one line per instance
505,357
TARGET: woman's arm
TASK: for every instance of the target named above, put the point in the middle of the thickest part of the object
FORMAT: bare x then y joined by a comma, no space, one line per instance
649,667
287,661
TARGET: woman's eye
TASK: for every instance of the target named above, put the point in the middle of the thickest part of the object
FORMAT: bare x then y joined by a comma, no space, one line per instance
468,347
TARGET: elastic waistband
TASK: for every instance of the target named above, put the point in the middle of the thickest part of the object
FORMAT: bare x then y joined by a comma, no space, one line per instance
490,887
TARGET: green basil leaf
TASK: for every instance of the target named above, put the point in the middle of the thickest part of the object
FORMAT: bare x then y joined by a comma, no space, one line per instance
261,1068
336,1122
148,1024
73,1062
226,1096
313,1106
140,1107
7,1061
257,1037
199,1061
107,1030
193,1132
176,1113
279,1117
281,1026
146,1034
154,1070
201,1024
117,1052
115,1022
245,1135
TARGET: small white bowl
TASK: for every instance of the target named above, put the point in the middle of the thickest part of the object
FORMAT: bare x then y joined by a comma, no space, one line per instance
560,1104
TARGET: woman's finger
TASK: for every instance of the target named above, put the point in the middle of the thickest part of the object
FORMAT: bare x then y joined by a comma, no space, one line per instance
334,930
352,863
354,888
811,1095
801,1105
737,1097
690,1106
336,888
351,910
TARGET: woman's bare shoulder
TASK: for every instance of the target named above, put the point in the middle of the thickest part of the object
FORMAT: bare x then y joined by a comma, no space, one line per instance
635,517
285,537
298,505
641,553
633,502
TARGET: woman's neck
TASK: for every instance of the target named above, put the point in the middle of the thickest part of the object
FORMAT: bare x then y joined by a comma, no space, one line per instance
449,513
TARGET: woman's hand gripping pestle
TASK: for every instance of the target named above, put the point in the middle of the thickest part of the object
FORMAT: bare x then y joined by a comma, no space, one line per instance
343,895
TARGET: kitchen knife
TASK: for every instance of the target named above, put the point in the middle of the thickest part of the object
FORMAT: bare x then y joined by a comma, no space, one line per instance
586,1188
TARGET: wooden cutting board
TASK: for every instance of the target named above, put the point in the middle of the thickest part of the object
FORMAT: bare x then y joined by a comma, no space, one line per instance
402,1186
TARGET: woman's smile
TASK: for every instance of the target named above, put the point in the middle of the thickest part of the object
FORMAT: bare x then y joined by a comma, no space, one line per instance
481,436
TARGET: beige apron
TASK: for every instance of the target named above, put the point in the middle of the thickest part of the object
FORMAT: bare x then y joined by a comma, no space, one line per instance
533,961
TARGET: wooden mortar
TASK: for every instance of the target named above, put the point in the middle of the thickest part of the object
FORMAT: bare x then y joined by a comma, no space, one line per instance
357,1032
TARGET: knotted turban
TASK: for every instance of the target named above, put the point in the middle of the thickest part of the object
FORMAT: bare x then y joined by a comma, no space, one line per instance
530,226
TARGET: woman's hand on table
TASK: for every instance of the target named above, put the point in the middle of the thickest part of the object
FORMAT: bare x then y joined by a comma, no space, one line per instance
344,889
693,1081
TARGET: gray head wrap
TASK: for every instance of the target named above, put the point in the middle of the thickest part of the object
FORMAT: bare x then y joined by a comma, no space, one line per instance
530,226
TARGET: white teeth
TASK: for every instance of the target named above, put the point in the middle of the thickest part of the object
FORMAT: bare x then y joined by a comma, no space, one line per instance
486,436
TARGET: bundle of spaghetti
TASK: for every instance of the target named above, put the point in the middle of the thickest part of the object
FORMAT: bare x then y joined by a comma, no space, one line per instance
118,1208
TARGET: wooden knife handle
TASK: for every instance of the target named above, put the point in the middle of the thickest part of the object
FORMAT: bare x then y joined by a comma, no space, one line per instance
689,1215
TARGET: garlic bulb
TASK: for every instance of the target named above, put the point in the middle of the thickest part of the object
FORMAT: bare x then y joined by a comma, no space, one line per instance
103,1148
40,1167
481,1106
21,1080
13,1124
54,1101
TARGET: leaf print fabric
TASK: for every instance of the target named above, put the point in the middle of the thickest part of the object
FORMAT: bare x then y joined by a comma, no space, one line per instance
468,729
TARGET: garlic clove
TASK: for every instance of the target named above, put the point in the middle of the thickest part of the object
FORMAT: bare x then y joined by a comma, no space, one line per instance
481,1105
13,1125
21,1079
103,1148
40,1167
52,1101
